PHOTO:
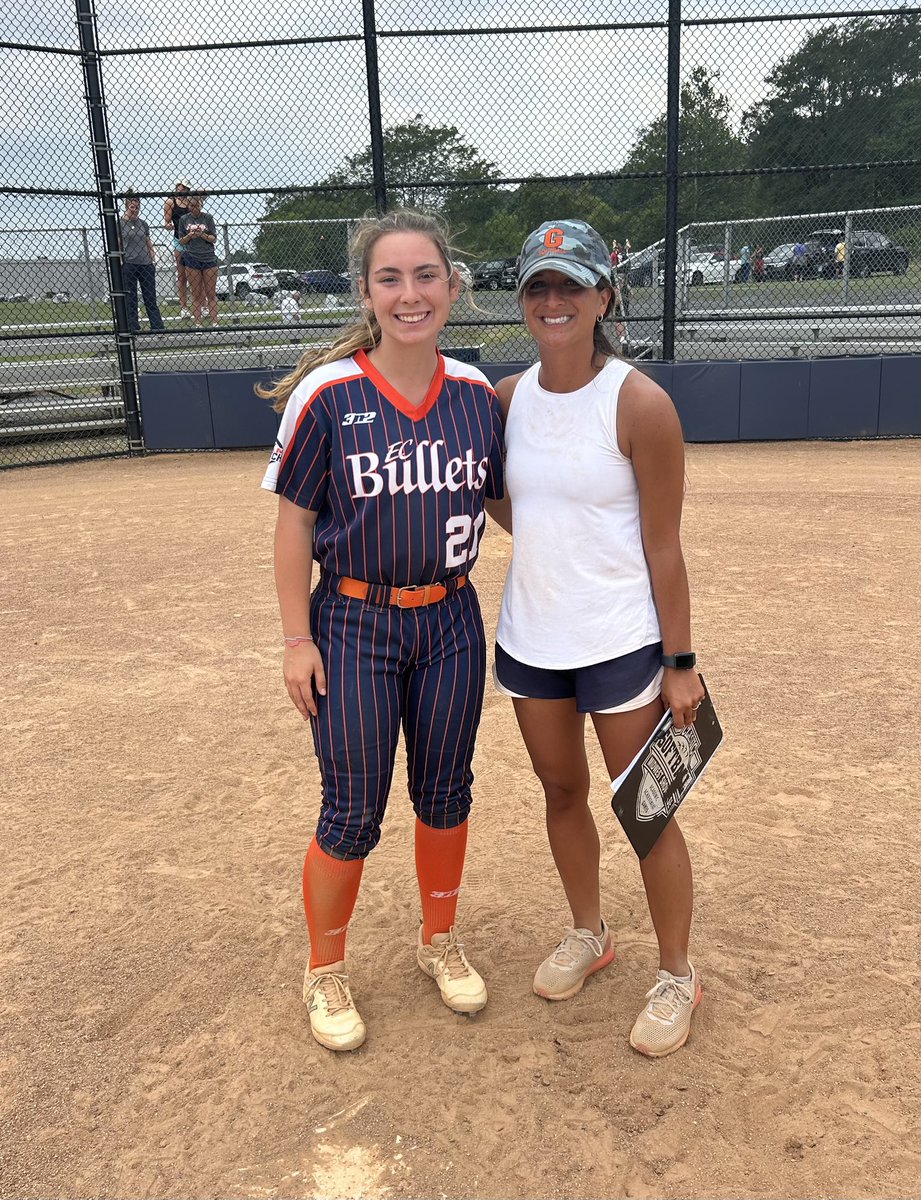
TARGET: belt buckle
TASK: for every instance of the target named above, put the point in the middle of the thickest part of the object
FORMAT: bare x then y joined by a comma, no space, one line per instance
413,588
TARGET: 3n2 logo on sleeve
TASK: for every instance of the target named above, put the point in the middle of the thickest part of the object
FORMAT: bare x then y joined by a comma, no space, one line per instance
354,418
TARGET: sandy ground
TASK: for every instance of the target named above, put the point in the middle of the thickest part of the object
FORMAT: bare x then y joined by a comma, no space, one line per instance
158,795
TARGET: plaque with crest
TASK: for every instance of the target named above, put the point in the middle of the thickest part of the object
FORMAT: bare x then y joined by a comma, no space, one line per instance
658,781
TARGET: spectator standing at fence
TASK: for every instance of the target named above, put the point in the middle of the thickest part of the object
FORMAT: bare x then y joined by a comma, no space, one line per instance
745,270
385,457
799,261
290,307
197,236
840,256
615,253
138,266
621,306
175,208
758,264
595,615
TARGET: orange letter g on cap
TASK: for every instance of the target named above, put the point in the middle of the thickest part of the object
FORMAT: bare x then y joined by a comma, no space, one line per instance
553,239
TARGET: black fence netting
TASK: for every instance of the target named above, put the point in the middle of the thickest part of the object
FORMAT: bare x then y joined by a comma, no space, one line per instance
756,174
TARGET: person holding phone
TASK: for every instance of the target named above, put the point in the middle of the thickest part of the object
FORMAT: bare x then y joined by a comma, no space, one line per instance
197,236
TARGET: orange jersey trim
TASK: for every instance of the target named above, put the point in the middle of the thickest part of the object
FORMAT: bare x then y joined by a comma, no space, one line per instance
397,399
307,404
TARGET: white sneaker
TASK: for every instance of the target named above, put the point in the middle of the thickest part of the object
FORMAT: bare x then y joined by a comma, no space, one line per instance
334,1019
665,1022
581,953
462,989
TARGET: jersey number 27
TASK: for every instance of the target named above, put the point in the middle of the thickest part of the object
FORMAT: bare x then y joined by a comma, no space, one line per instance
463,534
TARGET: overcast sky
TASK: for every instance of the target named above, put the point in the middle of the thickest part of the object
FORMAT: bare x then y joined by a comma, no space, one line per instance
271,117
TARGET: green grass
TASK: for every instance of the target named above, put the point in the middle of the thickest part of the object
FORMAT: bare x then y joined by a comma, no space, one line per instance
44,312
76,315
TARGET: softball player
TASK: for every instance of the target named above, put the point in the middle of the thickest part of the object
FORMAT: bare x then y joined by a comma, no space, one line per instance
385,456
595,614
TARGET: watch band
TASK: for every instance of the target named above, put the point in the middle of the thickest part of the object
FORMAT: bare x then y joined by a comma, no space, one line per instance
685,661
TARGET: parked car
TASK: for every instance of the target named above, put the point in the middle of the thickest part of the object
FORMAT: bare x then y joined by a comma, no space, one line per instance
489,274
288,279
324,283
509,277
641,269
781,264
869,251
464,274
246,278
703,266
709,248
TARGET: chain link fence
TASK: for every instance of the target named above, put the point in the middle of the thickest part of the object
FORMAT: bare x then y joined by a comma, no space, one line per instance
757,176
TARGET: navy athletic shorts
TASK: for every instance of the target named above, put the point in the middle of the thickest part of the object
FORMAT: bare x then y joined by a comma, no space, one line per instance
598,687
193,263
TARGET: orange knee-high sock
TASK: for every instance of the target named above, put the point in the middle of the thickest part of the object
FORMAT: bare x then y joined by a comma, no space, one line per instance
439,867
330,891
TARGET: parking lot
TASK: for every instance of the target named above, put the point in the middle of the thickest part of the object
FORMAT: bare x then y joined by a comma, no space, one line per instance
783,318
67,384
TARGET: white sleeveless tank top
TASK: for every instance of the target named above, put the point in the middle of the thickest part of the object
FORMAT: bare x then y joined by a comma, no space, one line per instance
578,589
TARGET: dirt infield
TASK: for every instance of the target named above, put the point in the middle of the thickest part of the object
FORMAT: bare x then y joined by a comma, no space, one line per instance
158,795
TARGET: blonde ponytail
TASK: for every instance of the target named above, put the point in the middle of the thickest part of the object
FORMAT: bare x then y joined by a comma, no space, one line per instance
360,335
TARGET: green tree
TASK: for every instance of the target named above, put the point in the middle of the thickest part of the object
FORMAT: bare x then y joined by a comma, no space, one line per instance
320,236
532,203
849,93
499,237
707,142
417,156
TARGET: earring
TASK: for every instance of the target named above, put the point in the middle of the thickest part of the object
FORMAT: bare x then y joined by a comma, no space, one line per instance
599,319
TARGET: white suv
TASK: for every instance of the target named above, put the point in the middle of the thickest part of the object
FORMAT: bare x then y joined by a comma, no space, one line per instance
246,278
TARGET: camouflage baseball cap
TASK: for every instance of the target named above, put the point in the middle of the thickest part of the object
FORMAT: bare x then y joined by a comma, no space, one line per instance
571,247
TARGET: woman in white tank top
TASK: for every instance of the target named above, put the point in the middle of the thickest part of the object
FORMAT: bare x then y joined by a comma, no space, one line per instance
595,614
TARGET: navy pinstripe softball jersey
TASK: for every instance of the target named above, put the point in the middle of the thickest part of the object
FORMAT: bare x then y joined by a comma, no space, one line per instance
398,490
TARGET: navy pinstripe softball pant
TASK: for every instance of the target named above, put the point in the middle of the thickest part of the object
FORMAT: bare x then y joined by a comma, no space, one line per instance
421,669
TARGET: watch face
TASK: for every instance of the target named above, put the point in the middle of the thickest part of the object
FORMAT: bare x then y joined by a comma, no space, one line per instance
684,662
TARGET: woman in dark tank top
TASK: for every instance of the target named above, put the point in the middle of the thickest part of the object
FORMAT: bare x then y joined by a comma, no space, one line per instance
174,209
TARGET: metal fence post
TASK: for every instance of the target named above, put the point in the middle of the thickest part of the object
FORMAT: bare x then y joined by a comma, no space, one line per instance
229,272
846,265
374,106
105,181
672,135
90,282
727,261
683,266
